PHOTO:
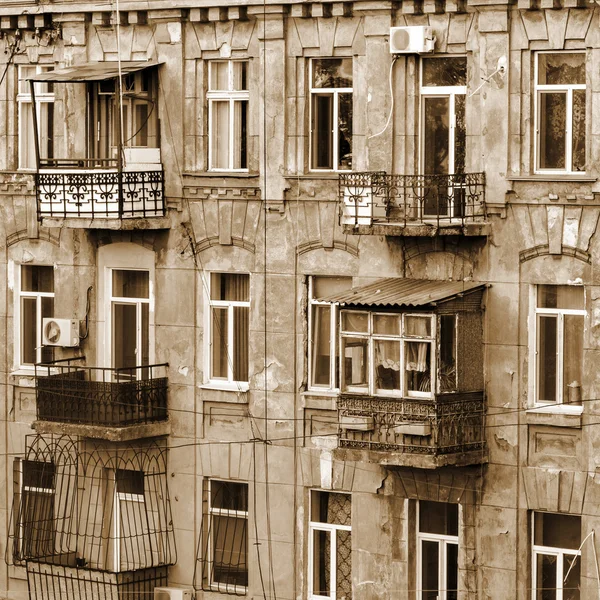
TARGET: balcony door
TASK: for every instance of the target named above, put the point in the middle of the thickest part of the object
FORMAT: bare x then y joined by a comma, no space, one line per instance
443,135
130,322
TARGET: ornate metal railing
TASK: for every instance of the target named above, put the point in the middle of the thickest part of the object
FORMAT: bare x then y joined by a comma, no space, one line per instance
376,197
70,393
102,193
446,424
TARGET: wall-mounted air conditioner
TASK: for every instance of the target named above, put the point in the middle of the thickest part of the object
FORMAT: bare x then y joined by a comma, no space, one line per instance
60,332
172,593
416,39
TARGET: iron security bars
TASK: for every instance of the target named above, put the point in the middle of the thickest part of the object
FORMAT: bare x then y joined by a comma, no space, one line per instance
99,193
67,392
377,197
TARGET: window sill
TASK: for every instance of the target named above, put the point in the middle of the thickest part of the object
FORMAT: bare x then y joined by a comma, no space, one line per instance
556,416
320,399
331,175
225,386
223,174
554,177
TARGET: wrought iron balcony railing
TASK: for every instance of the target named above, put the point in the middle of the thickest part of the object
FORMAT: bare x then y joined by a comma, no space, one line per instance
77,189
70,393
443,425
375,197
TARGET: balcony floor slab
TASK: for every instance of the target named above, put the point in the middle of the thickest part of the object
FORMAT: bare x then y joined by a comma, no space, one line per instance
111,434
420,229
114,224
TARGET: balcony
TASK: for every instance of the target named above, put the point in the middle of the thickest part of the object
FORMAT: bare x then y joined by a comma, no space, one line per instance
413,205
420,432
95,189
112,404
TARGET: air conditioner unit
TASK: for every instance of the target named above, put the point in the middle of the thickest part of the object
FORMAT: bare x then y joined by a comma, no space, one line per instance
417,39
172,593
60,332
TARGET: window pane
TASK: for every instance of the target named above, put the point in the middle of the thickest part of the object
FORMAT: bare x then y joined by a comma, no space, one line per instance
345,131
240,79
130,284
240,135
430,556
386,324
321,345
436,135
417,326
219,343
561,69
553,124
343,565
557,530
418,366
28,331
356,363
326,286
26,138
140,125
232,287
37,520
578,130
546,577
355,321
219,135
35,278
332,73
124,336
447,366
452,571
445,71
331,507
547,357
322,141
572,582
219,75
129,482
387,365
38,474
438,517
47,311
560,296
241,326
321,563
229,550
573,358
228,495
460,134
145,335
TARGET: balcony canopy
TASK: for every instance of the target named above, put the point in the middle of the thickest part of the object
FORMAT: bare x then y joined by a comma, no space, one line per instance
93,71
394,291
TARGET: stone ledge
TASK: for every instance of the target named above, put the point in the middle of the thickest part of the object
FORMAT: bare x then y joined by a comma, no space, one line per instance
111,434
115,224
420,229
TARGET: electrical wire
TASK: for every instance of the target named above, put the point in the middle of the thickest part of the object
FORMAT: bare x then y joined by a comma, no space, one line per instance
395,57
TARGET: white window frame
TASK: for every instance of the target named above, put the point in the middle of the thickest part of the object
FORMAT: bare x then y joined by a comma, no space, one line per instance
568,90
559,553
24,98
225,512
116,524
220,382
335,93
137,302
232,97
18,317
333,340
534,341
402,339
332,529
443,542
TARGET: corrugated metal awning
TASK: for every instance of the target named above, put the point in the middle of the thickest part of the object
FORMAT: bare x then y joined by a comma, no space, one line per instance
404,292
93,71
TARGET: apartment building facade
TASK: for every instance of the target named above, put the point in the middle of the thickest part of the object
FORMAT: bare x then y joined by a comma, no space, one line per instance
298,299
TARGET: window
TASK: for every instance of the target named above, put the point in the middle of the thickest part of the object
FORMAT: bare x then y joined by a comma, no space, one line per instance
36,528
139,114
556,562
330,546
559,319
443,130
229,326
391,353
44,96
130,320
560,111
323,319
228,536
437,540
228,115
36,301
331,114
